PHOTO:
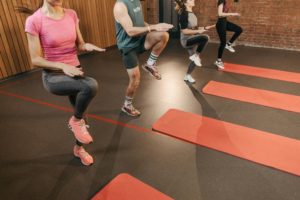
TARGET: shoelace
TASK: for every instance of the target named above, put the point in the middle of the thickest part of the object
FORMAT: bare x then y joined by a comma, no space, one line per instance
83,126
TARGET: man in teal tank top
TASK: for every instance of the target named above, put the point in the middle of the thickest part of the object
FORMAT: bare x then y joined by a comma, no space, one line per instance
134,36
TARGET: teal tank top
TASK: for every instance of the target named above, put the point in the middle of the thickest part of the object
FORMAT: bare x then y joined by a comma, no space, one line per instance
135,12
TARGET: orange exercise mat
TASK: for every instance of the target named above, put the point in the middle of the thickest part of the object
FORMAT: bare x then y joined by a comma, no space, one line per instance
267,98
258,146
263,72
126,187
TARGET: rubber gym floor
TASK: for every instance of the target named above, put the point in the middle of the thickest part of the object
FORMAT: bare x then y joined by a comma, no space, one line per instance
36,144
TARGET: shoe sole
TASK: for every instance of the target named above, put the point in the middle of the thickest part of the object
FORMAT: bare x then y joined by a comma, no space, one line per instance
198,65
144,68
219,68
86,164
230,50
124,111
189,81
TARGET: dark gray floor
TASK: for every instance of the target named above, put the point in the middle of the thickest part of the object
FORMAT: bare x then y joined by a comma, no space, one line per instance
36,147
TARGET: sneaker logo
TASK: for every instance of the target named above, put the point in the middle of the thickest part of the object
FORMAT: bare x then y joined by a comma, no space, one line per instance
137,9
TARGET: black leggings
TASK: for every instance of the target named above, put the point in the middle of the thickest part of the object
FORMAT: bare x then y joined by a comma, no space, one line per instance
200,41
80,90
222,26
191,67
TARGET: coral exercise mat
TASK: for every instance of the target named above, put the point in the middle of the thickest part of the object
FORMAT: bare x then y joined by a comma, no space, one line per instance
126,187
263,72
267,98
258,146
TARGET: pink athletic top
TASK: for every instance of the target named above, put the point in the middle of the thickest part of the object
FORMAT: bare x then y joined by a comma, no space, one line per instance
57,37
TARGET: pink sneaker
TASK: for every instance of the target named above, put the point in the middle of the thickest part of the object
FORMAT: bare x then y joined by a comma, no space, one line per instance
84,156
79,128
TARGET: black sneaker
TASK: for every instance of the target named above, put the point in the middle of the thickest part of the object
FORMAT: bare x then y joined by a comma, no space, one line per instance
152,71
131,111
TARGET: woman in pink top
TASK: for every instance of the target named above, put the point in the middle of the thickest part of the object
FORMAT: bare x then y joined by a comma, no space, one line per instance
53,38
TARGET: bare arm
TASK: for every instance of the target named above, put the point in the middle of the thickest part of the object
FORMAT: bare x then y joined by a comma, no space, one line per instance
122,17
222,14
197,31
37,59
82,46
188,31
80,41
35,51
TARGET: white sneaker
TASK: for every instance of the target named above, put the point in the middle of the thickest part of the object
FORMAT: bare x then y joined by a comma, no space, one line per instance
220,64
189,78
229,48
233,44
196,60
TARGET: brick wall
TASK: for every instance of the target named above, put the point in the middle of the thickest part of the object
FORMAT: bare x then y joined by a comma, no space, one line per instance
268,23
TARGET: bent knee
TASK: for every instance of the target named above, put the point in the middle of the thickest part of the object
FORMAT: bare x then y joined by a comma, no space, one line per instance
240,30
91,87
206,38
164,36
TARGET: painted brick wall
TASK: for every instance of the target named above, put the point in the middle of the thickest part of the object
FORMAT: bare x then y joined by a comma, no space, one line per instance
268,23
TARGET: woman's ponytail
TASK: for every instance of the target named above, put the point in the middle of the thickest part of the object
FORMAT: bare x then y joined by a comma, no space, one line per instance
26,10
179,6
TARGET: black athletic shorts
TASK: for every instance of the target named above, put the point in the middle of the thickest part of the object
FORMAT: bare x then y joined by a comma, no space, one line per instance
130,55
